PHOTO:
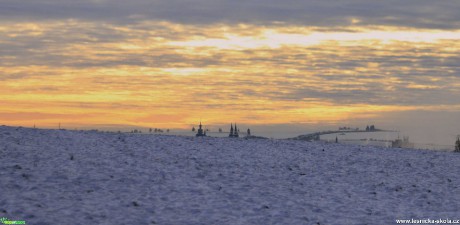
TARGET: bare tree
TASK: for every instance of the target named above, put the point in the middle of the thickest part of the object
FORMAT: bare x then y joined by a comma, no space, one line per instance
457,144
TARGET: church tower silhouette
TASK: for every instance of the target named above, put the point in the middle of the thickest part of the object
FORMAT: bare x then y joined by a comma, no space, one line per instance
233,132
200,132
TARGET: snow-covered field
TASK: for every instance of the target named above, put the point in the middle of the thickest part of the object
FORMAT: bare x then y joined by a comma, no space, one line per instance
75,177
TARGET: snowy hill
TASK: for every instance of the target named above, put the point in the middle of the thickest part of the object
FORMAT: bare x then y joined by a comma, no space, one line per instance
84,177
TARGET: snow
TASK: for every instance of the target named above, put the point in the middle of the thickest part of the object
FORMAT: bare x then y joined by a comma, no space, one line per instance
88,177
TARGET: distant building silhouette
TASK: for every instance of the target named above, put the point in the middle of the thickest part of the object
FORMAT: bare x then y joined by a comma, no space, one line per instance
233,132
370,128
200,132
402,143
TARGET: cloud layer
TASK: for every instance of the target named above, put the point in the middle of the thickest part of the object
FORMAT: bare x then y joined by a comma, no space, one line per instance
153,69
409,13
172,62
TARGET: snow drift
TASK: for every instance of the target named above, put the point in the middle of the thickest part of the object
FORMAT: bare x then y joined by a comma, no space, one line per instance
88,177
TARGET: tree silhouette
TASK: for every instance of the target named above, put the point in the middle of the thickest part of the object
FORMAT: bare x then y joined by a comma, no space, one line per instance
457,144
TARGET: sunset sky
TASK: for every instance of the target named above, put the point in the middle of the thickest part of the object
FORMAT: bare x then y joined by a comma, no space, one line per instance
171,63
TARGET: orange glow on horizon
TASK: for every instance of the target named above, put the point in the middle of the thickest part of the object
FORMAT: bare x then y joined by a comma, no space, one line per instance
170,75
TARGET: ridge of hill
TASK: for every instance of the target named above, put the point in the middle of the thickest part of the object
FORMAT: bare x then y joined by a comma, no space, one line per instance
89,177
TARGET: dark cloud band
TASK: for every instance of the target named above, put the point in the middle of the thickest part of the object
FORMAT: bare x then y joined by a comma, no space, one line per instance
409,13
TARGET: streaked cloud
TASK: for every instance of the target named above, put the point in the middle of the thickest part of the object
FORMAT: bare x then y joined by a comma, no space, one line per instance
324,13
157,62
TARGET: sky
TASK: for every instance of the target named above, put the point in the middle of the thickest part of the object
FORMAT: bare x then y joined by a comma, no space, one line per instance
295,65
